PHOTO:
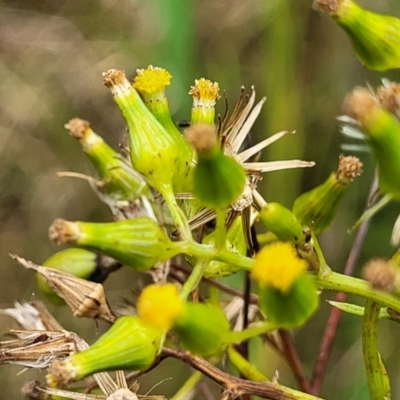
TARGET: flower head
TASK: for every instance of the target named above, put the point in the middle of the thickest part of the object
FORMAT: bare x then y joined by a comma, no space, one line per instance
152,81
160,305
278,266
204,93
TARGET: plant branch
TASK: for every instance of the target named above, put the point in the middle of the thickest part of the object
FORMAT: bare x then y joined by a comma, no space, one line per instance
348,284
234,387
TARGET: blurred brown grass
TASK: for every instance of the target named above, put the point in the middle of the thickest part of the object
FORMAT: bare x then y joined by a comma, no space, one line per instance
52,54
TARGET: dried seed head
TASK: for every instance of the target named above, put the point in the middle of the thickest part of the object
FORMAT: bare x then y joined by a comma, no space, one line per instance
360,103
77,127
62,231
61,373
116,81
328,6
349,168
389,97
85,299
202,137
37,349
122,394
381,274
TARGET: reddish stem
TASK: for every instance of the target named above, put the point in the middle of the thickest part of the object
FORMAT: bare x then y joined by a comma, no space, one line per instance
334,317
293,360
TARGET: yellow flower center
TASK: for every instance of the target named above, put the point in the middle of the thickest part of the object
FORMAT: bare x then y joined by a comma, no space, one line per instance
152,80
160,305
278,266
204,93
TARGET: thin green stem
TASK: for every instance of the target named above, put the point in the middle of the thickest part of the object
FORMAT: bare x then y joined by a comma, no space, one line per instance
348,284
186,390
194,278
220,229
378,381
195,249
245,368
253,331
177,214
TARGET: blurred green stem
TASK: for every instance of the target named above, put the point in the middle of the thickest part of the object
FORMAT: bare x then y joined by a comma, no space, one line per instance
195,249
348,284
246,369
253,331
194,278
220,230
177,214
378,380
186,390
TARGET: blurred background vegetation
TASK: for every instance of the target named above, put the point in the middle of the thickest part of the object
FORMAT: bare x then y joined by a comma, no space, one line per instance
52,55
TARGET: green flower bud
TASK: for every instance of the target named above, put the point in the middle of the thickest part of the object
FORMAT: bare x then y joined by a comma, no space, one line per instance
291,309
236,243
375,37
139,243
78,262
202,328
218,179
318,207
383,131
161,157
151,83
284,224
287,295
119,180
128,344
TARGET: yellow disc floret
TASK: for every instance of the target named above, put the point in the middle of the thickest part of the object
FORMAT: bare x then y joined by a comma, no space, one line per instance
160,305
204,91
278,266
151,80
205,94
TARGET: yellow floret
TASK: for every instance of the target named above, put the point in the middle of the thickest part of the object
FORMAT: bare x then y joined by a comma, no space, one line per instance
278,266
160,305
152,80
205,91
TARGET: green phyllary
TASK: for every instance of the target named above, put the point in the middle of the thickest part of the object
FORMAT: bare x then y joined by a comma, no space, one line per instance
375,37
318,207
139,243
128,344
283,224
383,131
